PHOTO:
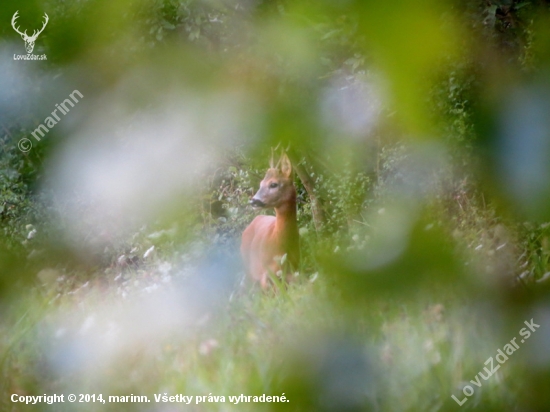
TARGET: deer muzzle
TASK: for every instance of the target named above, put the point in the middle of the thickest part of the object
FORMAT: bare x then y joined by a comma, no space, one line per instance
255,202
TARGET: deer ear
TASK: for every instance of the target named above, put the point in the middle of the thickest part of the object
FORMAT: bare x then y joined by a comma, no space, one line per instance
285,166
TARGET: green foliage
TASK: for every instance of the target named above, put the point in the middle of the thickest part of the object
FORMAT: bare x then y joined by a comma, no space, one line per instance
410,261
535,262
225,210
19,206
344,194
211,26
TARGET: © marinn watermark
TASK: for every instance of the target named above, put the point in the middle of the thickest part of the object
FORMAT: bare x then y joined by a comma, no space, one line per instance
29,40
25,145
501,357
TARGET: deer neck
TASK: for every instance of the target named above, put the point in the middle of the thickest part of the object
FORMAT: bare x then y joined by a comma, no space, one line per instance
286,224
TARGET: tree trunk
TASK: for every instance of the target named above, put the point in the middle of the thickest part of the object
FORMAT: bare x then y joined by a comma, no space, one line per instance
317,209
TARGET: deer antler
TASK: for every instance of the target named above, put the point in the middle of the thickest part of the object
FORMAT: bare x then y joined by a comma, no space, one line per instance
24,34
35,33
15,16
272,159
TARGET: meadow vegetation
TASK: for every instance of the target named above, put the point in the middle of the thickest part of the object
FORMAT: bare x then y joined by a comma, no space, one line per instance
419,136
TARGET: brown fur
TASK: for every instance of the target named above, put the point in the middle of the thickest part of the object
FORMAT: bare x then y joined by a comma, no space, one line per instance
268,238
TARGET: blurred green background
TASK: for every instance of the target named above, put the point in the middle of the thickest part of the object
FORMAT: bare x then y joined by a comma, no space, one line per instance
419,133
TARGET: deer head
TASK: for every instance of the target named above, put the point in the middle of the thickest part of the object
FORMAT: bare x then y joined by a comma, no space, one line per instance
277,188
29,40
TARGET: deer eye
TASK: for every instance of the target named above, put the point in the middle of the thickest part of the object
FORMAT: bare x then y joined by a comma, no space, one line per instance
273,185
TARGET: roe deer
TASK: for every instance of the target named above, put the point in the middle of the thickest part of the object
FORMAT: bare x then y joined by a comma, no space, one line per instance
268,238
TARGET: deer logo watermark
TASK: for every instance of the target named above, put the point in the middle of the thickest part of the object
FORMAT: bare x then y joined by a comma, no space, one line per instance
29,40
